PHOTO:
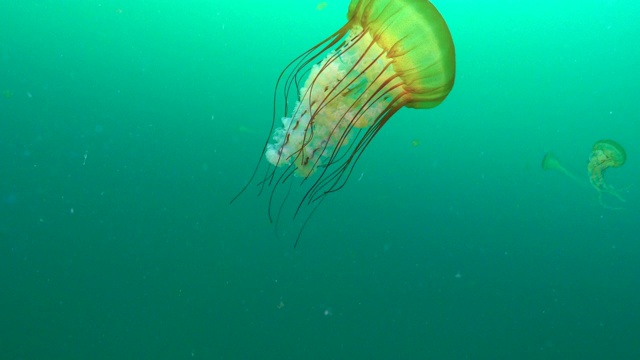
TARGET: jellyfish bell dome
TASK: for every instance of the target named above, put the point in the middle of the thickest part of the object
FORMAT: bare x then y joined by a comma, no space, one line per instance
416,40
610,152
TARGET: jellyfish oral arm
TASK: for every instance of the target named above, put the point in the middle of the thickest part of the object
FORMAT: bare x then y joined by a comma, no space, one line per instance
343,94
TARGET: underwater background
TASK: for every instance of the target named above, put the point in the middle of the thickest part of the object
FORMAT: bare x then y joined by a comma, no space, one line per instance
126,127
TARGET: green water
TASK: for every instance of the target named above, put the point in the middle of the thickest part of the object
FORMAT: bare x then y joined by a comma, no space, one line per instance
126,127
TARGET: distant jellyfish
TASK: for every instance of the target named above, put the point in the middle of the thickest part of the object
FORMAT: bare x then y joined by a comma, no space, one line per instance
551,162
332,100
606,154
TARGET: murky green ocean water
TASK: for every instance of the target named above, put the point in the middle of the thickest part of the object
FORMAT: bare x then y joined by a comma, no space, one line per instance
127,127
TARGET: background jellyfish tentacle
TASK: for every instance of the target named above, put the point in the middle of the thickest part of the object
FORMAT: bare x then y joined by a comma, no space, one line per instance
333,99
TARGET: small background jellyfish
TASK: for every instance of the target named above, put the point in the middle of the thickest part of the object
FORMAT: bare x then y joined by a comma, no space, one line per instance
551,162
390,54
605,154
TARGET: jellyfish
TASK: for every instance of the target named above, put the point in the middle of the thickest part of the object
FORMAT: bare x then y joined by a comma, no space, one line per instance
332,100
605,154
551,162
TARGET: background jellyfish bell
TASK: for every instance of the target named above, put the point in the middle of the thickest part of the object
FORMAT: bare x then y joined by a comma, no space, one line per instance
390,54
605,154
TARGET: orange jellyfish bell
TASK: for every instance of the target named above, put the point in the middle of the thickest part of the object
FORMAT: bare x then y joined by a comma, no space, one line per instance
333,99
